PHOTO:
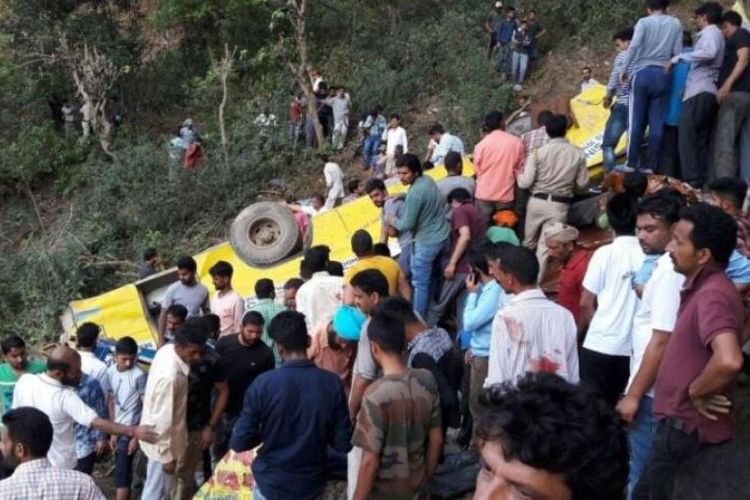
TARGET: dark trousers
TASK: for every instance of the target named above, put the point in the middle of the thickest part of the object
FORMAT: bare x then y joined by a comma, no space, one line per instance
669,157
648,107
86,464
606,374
223,433
671,449
696,125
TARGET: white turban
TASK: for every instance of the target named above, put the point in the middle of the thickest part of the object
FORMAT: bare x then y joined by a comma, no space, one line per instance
561,232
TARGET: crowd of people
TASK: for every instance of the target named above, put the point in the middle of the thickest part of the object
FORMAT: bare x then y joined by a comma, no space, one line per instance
604,389
689,95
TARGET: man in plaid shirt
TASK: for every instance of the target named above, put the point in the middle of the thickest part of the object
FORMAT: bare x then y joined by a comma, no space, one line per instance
728,193
535,139
26,439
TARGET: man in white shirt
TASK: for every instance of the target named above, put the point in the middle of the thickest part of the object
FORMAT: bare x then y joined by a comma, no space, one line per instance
531,333
165,408
315,80
87,336
226,304
341,104
652,325
320,296
587,81
394,136
444,144
608,303
53,392
334,182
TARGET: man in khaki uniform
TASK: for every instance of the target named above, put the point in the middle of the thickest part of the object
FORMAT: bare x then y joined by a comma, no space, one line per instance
552,174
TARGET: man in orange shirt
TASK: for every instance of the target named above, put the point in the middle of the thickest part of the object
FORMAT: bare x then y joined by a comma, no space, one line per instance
333,344
498,158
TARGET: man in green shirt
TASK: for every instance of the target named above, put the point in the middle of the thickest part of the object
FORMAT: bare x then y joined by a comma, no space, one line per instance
16,364
265,292
424,215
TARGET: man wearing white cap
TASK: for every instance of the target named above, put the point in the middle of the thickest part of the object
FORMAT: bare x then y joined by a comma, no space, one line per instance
494,18
561,240
188,134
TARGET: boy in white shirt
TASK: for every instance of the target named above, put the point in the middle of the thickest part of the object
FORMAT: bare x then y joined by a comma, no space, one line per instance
334,178
394,136
609,302
128,384
87,336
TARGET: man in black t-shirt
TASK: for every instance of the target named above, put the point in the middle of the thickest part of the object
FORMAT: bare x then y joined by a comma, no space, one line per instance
734,97
205,376
243,356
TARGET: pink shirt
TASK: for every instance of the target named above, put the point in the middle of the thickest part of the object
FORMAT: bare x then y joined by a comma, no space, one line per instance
229,308
497,160
339,361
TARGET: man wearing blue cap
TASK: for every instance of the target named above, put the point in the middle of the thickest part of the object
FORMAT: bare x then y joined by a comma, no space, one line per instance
334,343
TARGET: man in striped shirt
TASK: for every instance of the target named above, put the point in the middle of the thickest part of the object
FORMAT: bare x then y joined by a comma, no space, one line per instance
617,123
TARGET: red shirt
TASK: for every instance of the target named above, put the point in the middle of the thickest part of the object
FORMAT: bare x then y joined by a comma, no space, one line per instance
295,111
466,215
570,284
710,305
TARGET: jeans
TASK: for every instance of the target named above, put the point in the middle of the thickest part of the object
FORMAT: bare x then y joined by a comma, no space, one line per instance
404,259
520,64
295,130
648,107
617,124
423,260
696,125
671,449
640,439
157,484
731,125
502,58
370,149
453,289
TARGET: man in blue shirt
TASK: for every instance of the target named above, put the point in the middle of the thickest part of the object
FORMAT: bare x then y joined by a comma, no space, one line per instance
90,442
656,38
485,298
503,37
669,159
297,412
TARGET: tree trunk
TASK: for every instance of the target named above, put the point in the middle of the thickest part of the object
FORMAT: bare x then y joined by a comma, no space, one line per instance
94,74
225,67
299,21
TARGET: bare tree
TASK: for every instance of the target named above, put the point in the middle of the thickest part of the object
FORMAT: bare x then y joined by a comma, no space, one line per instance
297,13
94,74
225,68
